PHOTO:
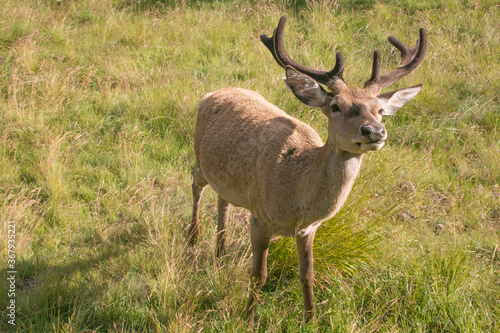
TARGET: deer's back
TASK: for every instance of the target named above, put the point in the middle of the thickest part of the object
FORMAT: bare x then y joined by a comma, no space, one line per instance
241,141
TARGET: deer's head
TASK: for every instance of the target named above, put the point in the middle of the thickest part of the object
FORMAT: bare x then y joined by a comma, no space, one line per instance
354,114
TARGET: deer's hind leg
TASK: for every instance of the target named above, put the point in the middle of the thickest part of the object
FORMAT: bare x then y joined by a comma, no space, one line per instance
222,215
199,184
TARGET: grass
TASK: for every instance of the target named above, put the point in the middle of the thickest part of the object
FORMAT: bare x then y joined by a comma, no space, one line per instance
98,104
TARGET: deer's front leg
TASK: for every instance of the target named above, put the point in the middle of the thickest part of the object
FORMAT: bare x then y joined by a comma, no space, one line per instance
260,236
306,271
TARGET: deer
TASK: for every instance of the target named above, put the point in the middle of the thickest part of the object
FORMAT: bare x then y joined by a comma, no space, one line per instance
254,155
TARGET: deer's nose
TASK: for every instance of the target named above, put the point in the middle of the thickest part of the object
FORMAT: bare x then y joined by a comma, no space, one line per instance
373,133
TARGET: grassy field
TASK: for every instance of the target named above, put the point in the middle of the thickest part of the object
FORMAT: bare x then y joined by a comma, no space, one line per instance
98,102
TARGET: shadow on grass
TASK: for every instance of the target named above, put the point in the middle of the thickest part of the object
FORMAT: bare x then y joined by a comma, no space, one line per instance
85,289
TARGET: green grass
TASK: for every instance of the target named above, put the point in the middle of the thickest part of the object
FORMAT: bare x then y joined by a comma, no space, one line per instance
98,103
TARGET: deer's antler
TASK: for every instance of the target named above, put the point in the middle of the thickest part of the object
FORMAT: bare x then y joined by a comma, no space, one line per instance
275,45
410,60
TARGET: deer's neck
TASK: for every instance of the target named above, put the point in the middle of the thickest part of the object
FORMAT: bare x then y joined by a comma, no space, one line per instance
339,170
339,166
330,179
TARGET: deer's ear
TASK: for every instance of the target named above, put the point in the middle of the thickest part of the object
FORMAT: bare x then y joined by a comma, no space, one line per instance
394,100
307,90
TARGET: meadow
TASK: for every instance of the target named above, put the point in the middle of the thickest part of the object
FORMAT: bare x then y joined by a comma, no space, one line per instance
98,104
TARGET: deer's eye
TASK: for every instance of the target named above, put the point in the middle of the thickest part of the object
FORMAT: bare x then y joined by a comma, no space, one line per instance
381,111
335,108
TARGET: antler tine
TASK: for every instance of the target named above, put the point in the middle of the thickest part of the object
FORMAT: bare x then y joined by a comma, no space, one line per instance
375,68
269,43
276,46
402,48
410,60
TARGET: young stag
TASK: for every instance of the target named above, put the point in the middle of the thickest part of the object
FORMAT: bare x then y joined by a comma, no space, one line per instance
256,156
